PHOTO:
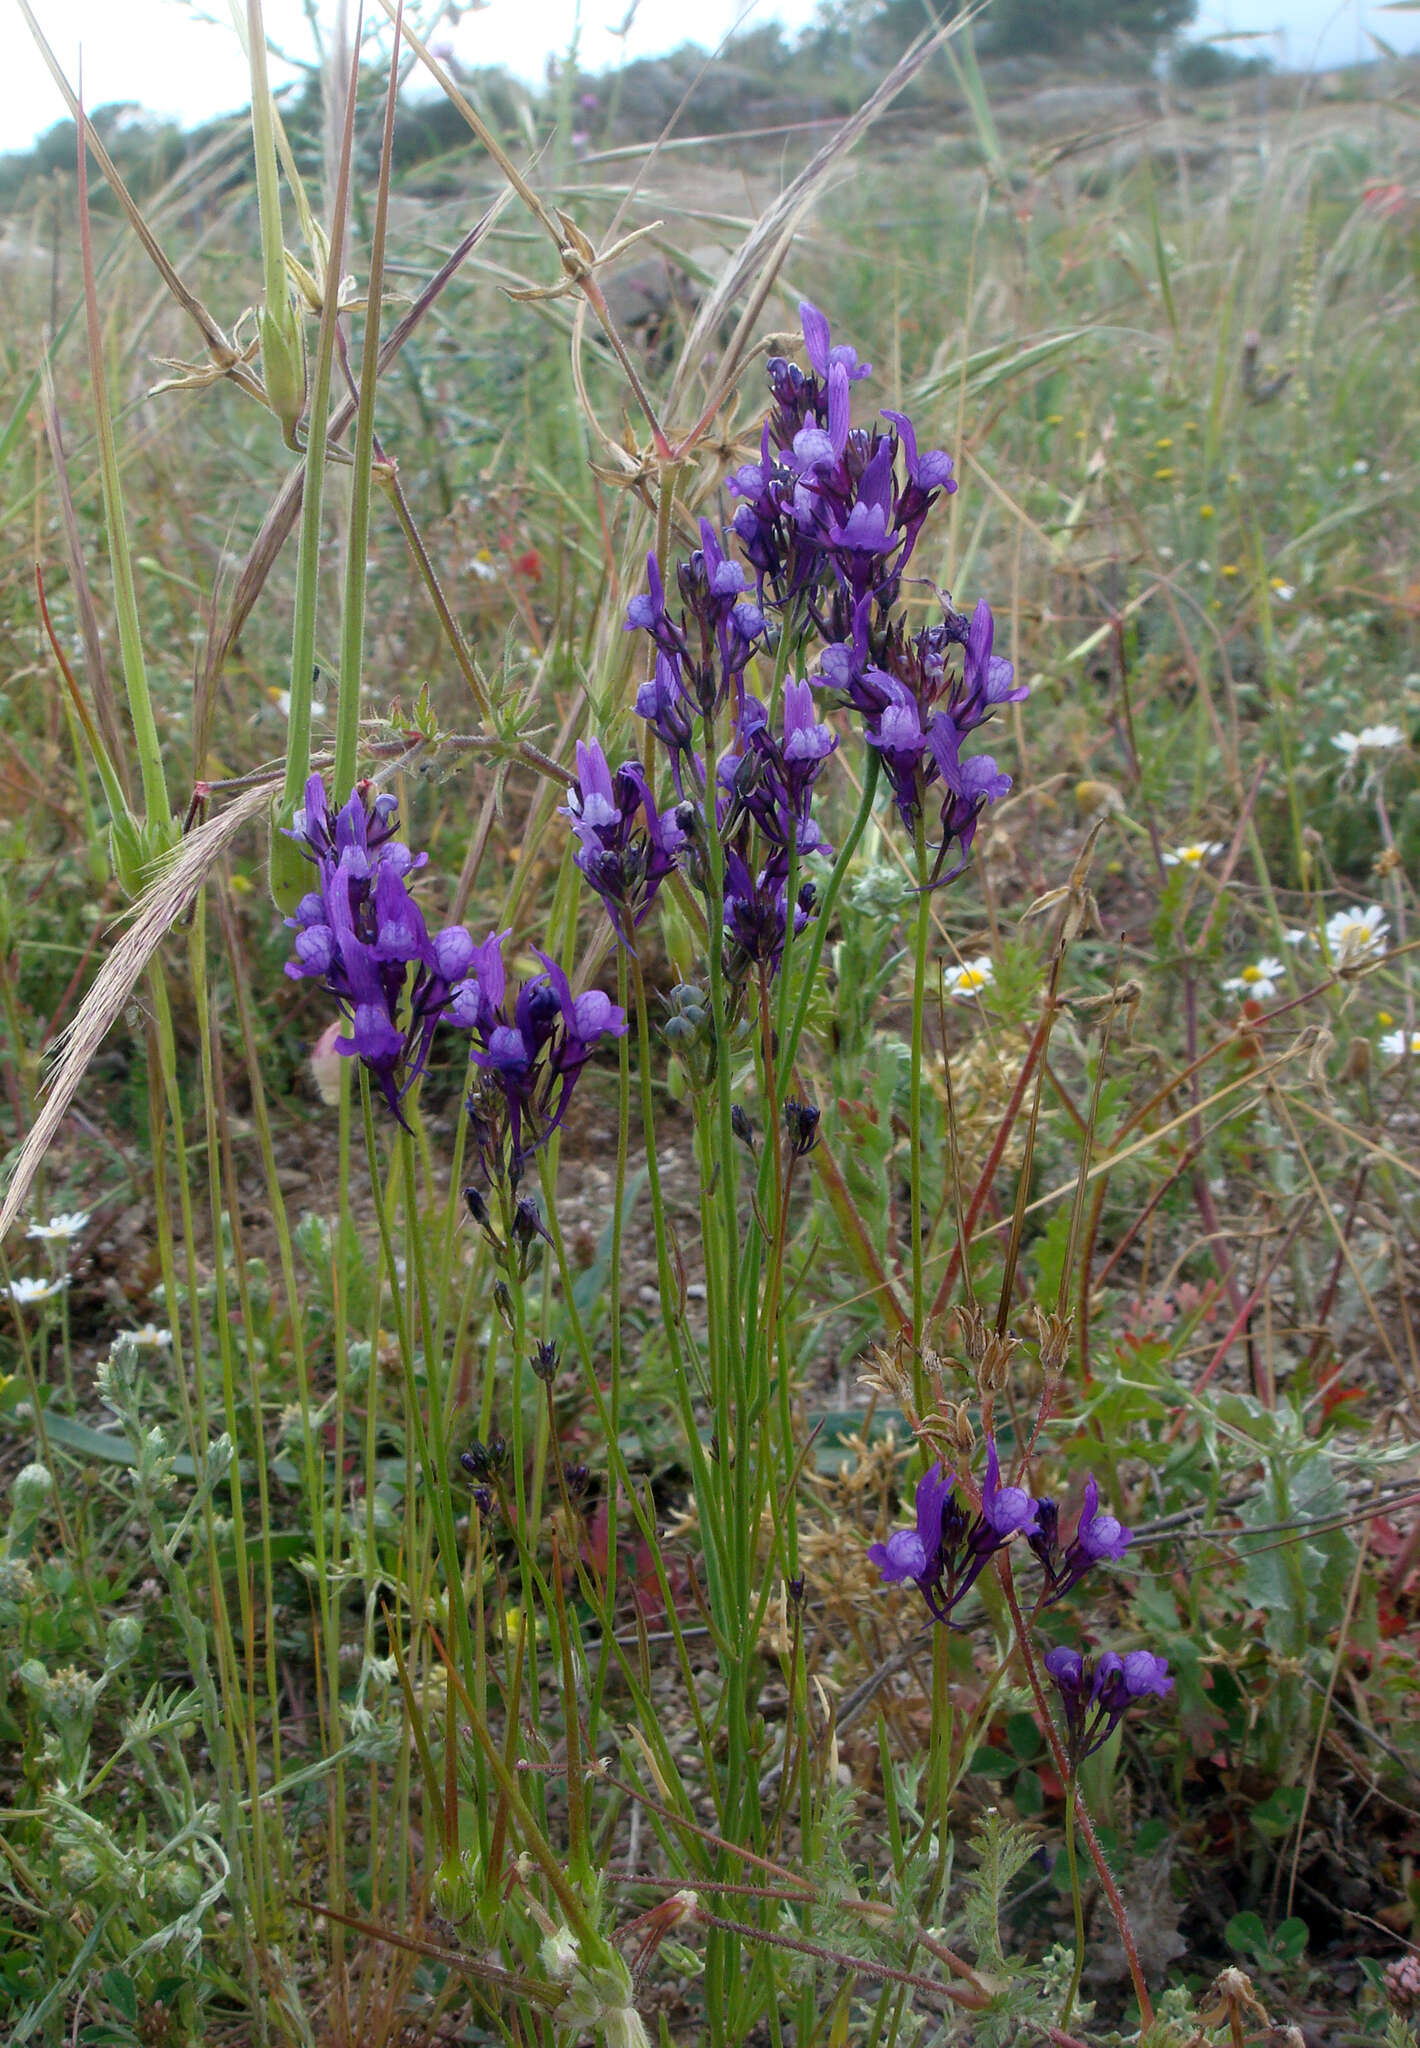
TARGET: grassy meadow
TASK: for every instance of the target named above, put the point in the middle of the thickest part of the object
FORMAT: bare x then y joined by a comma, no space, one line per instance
436,1601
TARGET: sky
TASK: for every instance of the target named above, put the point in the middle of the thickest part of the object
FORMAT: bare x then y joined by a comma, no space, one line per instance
164,55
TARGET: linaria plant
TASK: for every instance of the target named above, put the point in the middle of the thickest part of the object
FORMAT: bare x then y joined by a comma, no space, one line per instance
528,1627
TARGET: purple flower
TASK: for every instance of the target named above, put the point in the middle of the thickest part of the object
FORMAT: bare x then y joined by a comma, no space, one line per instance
529,1062
362,933
1095,1704
627,848
1009,1510
817,348
1097,1538
716,633
943,1556
663,704
912,1554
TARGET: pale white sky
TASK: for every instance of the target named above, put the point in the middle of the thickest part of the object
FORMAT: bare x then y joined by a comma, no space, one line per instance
164,55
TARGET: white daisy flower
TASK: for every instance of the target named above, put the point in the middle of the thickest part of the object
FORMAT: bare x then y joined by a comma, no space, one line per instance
970,977
1294,935
150,1338
61,1228
1282,592
26,1292
1370,739
1396,1044
1259,980
1353,935
1193,855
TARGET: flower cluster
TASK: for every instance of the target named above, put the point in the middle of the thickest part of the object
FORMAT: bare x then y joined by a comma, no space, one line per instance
825,517
709,645
943,1553
361,932
626,847
767,824
827,520
529,1056
1094,1704
918,710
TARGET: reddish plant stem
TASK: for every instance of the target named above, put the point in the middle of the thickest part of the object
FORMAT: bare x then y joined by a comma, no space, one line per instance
994,1158
1082,1818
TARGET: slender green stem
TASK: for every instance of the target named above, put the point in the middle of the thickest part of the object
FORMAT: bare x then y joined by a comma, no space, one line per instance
914,1112
1072,1793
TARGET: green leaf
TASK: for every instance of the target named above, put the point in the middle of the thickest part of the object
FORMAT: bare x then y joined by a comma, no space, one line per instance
987,1762
1246,1933
1290,1939
1028,1795
1024,1736
118,1990
1278,1814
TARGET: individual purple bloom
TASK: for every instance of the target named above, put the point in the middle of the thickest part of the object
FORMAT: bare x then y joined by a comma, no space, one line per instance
626,847
987,679
666,709
771,778
911,1554
1009,1510
1095,1704
1098,1538
362,933
821,355
930,472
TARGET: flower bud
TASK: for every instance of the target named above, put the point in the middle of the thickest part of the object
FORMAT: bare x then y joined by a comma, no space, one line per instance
801,1121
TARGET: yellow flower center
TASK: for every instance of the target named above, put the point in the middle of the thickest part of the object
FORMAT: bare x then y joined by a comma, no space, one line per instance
1252,974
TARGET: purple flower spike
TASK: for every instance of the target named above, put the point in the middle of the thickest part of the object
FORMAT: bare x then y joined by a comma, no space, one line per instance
1094,1705
1098,1538
362,933
627,848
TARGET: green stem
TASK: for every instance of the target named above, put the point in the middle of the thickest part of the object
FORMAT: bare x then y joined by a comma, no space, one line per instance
914,1112
1072,1793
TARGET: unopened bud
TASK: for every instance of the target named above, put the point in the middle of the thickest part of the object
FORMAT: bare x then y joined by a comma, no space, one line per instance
801,1120
545,1361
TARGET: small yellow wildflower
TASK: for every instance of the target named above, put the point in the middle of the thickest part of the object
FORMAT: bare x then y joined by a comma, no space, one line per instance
1162,476
1383,1018
1229,569
1205,512
1054,419
1166,442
